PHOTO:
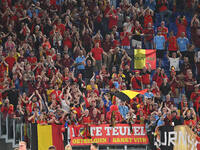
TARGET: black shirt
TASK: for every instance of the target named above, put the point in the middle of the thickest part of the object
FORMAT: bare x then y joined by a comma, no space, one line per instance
190,55
89,71
165,89
177,120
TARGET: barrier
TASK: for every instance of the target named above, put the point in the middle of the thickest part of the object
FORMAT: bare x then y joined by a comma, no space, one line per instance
15,130
118,141
106,135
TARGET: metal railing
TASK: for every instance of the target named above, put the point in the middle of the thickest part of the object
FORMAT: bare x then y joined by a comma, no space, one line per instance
12,130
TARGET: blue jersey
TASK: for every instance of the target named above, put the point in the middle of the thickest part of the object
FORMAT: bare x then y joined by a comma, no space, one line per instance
159,41
80,60
182,44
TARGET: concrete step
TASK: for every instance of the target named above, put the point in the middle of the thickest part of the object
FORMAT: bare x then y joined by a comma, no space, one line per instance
5,146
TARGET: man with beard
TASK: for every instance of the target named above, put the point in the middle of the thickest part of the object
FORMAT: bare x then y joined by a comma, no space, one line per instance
176,119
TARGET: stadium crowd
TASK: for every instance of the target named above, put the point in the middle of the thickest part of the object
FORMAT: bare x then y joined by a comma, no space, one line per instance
61,61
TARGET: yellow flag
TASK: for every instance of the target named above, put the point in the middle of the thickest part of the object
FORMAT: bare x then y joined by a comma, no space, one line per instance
139,58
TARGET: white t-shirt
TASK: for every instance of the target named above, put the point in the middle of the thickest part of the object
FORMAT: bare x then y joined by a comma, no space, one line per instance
175,63
198,55
129,26
65,106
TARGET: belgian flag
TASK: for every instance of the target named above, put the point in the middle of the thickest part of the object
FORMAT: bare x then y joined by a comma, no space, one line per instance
144,56
44,136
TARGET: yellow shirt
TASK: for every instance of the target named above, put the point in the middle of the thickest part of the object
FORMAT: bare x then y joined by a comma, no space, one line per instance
89,87
16,55
49,93
122,75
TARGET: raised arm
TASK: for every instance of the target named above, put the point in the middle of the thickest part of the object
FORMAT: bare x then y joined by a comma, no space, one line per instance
193,19
184,113
193,113
31,96
40,99
149,67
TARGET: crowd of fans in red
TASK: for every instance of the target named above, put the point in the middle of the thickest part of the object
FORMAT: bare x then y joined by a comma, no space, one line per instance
62,61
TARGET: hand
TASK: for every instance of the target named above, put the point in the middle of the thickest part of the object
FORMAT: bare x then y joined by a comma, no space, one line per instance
99,32
33,93
36,114
83,103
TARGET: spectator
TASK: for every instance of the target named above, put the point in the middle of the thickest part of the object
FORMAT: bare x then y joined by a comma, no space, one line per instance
9,44
119,57
156,91
189,117
181,25
185,66
94,146
113,116
95,116
172,47
174,61
159,45
148,36
7,108
136,81
123,109
80,63
195,97
125,39
195,32
165,89
183,44
151,4
107,102
157,77
150,127
163,9
190,82
146,72
148,14
52,148
68,147
113,18
106,45
22,145
137,33
66,61
174,82
97,54
129,24
176,119
149,94
89,68
163,29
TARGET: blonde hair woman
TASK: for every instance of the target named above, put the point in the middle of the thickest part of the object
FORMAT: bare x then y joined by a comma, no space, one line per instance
68,147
